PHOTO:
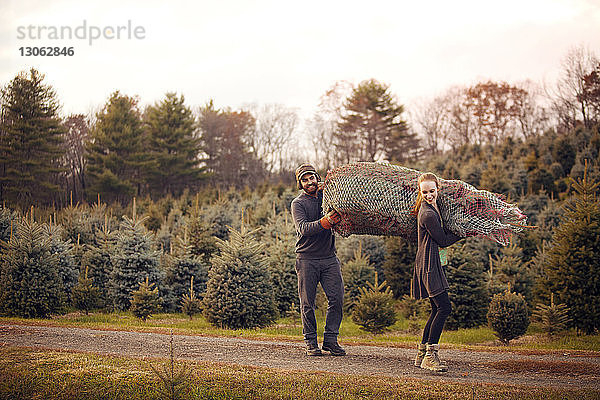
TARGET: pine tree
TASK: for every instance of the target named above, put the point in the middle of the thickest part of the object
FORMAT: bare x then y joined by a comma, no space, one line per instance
357,273
67,268
85,295
374,311
281,260
553,318
134,258
508,268
239,293
173,145
508,316
572,270
8,223
181,266
98,257
468,292
399,264
190,304
145,301
30,140
30,285
117,157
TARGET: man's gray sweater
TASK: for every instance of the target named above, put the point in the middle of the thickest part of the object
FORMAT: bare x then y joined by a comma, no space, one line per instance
314,241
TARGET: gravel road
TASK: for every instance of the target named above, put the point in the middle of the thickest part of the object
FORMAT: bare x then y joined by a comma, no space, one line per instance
568,370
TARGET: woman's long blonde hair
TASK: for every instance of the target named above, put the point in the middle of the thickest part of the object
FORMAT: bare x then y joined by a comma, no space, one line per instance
427,176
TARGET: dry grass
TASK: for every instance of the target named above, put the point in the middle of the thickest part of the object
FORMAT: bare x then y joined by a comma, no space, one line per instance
551,367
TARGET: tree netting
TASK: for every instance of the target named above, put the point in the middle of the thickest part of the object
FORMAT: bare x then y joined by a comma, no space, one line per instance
378,199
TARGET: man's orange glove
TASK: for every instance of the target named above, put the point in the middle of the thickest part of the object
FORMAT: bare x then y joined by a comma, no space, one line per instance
332,218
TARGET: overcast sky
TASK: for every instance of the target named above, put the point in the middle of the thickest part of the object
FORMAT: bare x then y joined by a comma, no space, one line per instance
238,52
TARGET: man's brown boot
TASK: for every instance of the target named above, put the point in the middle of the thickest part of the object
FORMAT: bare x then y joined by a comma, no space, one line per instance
421,350
431,361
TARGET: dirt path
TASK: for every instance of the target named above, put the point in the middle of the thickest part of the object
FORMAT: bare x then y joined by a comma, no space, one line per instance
548,370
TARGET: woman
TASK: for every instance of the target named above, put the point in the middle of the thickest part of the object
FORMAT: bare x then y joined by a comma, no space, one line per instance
429,277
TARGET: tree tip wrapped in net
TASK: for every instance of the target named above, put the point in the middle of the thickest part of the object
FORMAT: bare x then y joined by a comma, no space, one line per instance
378,199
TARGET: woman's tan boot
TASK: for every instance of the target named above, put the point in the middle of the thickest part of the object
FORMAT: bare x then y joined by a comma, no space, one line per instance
421,350
432,361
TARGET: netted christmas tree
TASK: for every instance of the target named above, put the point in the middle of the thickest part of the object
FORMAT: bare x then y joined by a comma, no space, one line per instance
181,265
133,260
468,292
239,293
30,285
572,271
85,295
357,273
145,301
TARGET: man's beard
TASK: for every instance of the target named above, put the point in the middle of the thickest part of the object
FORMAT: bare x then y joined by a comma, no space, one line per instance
310,189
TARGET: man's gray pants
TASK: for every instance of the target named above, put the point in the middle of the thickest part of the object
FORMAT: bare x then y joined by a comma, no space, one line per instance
327,272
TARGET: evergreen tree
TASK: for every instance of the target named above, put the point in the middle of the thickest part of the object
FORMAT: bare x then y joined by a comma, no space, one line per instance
372,127
98,258
374,311
572,270
281,259
30,141
181,267
145,301
399,264
117,157
85,295
173,145
190,304
357,273
468,292
508,316
239,293
508,268
8,223
30,285
68,269
134,258
553,318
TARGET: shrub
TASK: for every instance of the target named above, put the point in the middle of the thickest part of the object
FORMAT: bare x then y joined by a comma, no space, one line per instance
190,304
85,295
374,311
508,316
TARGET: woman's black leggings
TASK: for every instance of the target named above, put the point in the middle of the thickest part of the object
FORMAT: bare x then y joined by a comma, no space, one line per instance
440,309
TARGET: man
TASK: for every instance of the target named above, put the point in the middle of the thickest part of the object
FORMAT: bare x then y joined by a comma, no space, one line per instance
316,262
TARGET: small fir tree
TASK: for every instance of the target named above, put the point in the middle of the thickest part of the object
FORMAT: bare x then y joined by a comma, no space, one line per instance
239,293
508,316
67,267
553,318
133,259
145,301
469,295
508,268
181,266
190,304
30,285
357,273
281,258
399,264
572,270
374,311
85,295
98,257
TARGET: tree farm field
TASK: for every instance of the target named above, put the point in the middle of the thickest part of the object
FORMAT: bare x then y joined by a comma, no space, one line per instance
94,356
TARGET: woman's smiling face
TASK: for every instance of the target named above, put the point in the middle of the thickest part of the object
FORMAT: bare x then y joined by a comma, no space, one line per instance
429,191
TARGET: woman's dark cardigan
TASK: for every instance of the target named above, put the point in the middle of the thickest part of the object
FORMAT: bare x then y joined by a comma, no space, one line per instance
429,278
